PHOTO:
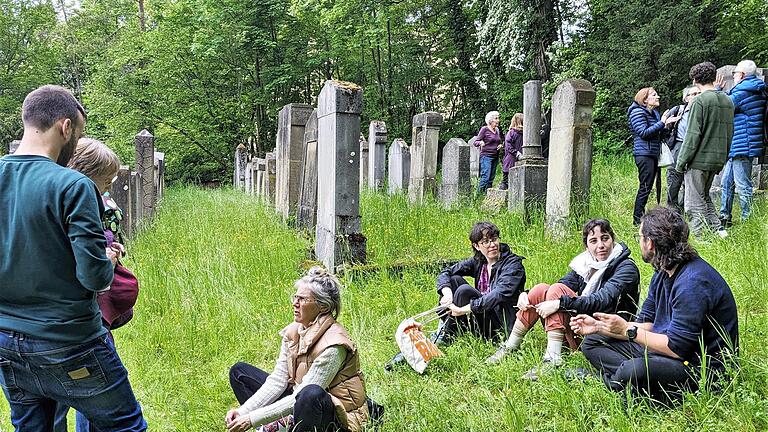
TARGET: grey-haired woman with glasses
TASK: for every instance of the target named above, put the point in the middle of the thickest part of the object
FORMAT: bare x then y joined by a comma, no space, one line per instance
317,384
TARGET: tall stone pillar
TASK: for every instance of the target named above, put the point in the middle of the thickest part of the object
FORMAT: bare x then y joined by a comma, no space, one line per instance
241,154
364,162
570,155
145,166
135,191
261,168
270,178
306,215
338,235
455,180
377,155
474,159
399,166
425,135
528,178
159,176
290,146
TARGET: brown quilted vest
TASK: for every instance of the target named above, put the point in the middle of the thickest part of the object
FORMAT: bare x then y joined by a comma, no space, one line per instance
347,389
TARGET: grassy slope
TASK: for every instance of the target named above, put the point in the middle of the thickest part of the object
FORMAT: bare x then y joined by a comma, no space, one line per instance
217,270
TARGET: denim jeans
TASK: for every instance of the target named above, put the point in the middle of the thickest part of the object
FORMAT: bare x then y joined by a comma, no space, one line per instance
738,170
36,374
60,420
488,166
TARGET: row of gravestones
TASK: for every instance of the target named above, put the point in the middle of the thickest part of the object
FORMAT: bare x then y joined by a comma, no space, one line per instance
138,192
320,162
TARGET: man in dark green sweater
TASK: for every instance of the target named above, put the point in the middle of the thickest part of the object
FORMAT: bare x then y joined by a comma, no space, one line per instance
705,149
53,261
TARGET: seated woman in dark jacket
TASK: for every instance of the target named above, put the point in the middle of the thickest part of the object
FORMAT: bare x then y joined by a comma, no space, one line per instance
499,279
603,279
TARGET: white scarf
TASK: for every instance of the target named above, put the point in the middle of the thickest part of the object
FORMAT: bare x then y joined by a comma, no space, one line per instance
591,270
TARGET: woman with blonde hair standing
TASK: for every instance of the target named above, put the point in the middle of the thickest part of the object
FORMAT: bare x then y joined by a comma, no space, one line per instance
489,141
513,148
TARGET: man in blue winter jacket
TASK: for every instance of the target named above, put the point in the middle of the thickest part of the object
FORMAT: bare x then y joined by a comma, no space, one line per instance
748,97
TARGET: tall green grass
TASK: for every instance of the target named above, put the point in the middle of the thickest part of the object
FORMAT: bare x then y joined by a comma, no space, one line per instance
217,268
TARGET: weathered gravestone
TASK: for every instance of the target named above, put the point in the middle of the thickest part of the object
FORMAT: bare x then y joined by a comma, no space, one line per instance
159,176
145,166
241,154
528,178
121,194
270,178
248,178
306,215
261,167
399,166
474,159
455,180
13,146
290,146
377,144
570,157
338,236
425,135
363,162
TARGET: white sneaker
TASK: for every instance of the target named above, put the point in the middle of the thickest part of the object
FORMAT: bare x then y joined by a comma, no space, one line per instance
503,351
722,233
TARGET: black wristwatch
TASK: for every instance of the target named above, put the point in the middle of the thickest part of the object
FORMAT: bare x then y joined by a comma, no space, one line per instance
632,333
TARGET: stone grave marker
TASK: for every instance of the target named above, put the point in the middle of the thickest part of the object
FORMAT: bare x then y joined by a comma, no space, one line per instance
363,162
569,173
338,236
528,178
145,166
290,146
425,135
121,193
306,215
399,166
377,144
474,159
456,178
270,178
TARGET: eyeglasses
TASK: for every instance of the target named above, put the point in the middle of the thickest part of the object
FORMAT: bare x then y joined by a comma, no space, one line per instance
638,237
486,241
301,299
694,93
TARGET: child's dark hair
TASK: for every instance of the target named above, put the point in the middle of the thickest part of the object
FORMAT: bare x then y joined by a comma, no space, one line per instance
481,230
604,225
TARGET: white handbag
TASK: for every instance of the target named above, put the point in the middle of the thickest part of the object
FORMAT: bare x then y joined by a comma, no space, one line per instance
665,157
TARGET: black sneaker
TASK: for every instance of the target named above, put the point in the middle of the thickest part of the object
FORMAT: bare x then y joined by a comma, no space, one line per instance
375,410
725,223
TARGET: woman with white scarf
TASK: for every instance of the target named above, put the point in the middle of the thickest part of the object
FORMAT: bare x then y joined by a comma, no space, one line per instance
603,279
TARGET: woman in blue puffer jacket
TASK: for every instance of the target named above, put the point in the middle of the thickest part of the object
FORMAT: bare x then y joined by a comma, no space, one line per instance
647,127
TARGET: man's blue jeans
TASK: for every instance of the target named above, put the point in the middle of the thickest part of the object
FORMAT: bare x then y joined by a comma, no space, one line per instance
738,170
37,374
488,166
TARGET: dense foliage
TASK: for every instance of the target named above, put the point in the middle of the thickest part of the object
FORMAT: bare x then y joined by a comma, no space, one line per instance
207,75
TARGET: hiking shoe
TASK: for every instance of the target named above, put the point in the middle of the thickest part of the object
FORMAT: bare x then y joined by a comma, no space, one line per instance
544,368
503,351
503,186
579,374
375,410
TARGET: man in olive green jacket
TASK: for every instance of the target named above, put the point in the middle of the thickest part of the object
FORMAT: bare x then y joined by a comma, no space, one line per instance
705,149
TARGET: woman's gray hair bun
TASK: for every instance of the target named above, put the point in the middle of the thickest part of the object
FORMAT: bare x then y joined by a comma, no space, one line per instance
326,289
